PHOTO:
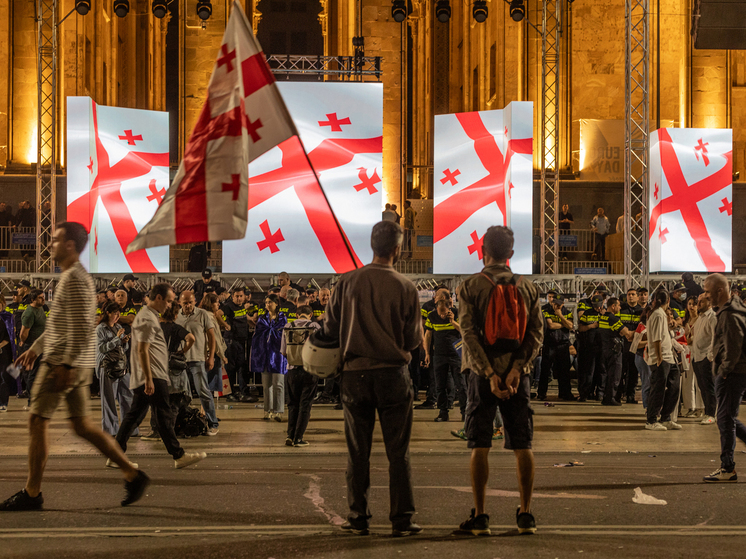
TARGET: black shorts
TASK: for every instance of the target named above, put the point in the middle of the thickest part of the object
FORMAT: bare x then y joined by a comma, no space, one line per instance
518,420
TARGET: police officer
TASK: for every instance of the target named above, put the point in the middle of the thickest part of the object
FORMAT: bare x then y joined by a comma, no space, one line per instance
678,302
428,372
235,314
630,316
611,331
589,350
556,351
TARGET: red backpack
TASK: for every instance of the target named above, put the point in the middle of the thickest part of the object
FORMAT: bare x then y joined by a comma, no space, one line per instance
505,319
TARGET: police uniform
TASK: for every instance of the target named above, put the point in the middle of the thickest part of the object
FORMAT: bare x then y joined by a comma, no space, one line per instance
609,330
318,310
555,356
429,372
290,310
238,343
589,350
630,317
446,361
677,308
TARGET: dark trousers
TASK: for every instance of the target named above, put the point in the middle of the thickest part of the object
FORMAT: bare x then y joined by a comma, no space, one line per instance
628,384
414,371
238,366
611,374
165,417
589,359
555,359
600,250
301,390
706,383
729,392
448,378
664,391
388,391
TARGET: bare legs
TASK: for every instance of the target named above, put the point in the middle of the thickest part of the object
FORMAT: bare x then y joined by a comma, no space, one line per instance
480,473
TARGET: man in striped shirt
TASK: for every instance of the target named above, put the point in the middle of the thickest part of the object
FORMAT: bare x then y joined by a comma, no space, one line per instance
65,373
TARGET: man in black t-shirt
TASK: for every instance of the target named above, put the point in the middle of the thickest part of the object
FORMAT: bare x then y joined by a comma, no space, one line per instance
565,218
201,286
443,330
128,285
236,315
319,306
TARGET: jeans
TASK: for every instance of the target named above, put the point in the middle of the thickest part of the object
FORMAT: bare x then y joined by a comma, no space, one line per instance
274,392
301,389
215,376
388,391
555,360
447,376
196,370
644,369
165,417
664,391
706,383
113,391
729,392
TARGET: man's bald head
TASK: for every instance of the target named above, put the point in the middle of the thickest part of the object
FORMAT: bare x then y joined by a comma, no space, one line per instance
716,287
187,297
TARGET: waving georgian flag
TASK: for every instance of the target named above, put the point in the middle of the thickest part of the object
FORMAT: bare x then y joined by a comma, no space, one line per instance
690,196
243,117
483,177
117,176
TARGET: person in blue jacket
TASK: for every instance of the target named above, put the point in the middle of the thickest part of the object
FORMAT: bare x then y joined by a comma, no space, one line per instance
267,359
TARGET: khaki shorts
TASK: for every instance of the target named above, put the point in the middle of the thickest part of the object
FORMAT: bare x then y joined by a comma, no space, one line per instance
45,401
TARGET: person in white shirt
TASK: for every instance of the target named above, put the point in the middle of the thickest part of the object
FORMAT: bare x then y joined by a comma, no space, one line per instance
700,340
600,226
664,376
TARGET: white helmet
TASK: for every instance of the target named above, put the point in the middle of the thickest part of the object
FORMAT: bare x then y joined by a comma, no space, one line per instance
322,355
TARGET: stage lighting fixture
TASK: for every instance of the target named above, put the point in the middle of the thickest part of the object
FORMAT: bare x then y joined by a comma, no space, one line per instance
479,11
204,9
517,10
160,9
399,10
121,7
443,11
82,6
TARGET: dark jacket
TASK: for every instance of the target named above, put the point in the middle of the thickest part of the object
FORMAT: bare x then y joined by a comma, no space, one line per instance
730,330
692,288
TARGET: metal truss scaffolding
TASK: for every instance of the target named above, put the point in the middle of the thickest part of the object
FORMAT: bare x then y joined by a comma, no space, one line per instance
637,143
340,68
46,165
551,29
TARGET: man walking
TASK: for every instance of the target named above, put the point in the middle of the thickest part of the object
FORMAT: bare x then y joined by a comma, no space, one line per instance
198,323
700,340
499,380
729,366
66,371
375,313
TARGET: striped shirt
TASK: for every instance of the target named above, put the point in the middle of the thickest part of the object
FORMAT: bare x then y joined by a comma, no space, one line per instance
70,335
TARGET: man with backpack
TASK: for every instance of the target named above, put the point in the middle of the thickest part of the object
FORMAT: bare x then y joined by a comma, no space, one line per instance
502,329
300,384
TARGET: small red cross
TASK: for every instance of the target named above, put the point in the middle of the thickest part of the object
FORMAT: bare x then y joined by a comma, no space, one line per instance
334,122
662,235
450,177
130,138
726,207
701,147
510,189
95,243
477,246
90,165
270,239
252,127
367,182
156,194
234,186
227,58
655,194
506,130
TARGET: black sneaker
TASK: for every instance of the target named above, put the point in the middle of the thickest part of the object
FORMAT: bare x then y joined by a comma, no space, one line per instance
288,442
411,529
441,418
249,399
478,525
135,489
425,406
526,522
232,398
301,442
348,527
22,501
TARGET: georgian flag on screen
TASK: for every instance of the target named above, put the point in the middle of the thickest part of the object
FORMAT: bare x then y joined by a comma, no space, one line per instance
483,176
690,200
290,224
117,177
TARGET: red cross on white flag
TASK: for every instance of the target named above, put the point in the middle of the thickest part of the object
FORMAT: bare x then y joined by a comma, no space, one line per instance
243,117
483,177
691,207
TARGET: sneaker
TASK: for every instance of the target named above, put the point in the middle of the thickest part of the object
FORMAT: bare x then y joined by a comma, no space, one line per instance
707,420
339,406
212,431
111,464
249,399
720,475
631,400
410,530
188,459
526,522
267,416
135,489
425,406
497,435
301,442
671,425
689,413
459,434
22,501
152,436
288,441
232,398
655,426
278,417
348,527
3,409
478,525
441,418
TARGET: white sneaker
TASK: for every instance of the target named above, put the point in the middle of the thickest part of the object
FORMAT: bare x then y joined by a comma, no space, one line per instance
3,409
212,431
271,415
278,417
267,416
188,459
721,475
689,413
672,425
110,464
707,420
655,426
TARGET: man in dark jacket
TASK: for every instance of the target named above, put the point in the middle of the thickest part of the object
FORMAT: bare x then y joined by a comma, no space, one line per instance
729,367
693,289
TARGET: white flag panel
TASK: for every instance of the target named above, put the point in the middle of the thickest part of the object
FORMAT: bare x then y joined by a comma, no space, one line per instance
690,200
